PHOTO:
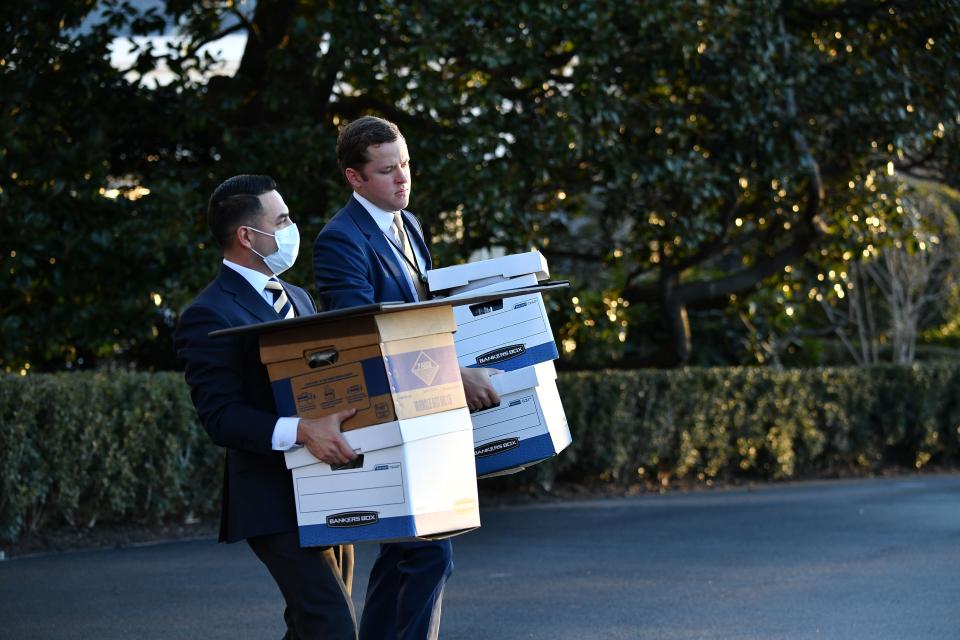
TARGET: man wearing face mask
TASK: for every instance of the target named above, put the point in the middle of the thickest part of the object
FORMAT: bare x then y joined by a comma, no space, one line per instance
231,391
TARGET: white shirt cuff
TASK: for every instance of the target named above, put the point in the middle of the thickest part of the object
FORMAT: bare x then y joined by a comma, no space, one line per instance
285,433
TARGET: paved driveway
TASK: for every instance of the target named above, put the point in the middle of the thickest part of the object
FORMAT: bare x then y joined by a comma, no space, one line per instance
867,559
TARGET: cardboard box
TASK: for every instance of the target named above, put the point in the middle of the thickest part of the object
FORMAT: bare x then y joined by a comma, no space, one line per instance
415,479
388,366
507,334
467,277
527,427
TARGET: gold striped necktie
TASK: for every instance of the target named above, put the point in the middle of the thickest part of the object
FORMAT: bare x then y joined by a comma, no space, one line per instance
281,303
401,235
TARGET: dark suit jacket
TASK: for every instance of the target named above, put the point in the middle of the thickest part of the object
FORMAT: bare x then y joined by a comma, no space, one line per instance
353,263
231,392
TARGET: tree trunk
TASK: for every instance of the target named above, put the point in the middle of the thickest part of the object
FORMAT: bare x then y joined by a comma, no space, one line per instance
675,316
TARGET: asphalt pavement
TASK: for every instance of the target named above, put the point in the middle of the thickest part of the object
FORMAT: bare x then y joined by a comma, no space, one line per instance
871,559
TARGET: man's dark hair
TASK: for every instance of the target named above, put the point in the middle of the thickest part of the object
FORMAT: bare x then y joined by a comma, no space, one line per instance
236,203
358,135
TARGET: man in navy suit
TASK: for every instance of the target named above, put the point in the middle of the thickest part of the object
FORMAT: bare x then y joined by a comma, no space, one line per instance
373,251
232,394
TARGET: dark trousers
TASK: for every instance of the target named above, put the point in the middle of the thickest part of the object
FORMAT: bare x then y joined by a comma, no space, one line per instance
315,583
405,592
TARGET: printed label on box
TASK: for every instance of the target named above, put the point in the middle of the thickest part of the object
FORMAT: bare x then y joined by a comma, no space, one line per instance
425,381
496,447
328,389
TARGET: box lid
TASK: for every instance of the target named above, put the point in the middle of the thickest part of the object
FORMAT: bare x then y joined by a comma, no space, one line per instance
485,272
264,328
499,284
391,434
526,378
350,333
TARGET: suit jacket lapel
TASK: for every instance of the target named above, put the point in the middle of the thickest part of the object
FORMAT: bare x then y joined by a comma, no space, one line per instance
299,300
245,296
381,245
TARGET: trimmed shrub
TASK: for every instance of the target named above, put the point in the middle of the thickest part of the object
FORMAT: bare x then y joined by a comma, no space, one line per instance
79,448
728,423
76,448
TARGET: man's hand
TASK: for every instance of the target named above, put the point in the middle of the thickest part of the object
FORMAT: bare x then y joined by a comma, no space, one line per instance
321,437
476,386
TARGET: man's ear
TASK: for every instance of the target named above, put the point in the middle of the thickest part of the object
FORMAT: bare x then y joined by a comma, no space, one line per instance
241,237
354,178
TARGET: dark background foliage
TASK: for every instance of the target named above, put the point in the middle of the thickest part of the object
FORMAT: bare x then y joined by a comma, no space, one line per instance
671,159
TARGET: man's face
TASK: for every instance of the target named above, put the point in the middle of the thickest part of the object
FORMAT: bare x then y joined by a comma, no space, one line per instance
275,215
385,180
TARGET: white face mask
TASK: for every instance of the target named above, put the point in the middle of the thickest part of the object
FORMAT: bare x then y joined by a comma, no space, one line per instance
288,246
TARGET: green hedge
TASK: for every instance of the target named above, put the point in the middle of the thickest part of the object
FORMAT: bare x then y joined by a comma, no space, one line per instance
704,424
78,448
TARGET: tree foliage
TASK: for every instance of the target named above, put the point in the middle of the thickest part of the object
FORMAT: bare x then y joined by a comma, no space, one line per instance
671,158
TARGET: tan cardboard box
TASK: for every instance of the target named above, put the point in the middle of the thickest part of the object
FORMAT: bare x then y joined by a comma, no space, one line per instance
387,366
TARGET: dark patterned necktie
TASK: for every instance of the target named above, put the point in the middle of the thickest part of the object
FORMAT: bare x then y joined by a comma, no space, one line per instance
281,303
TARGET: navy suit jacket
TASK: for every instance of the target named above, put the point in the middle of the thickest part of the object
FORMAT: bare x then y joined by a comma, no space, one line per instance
231,391
354,265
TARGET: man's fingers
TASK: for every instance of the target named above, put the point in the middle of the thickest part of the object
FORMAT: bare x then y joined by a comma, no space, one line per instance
345,450
343,416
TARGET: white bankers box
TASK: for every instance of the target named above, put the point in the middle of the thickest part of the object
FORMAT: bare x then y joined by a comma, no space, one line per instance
527,427
507,334
414,478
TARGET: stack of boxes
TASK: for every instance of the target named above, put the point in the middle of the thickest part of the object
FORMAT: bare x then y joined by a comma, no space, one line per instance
420,451
399,370
511,334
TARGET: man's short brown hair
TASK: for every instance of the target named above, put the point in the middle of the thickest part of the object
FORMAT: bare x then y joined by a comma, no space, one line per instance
360,134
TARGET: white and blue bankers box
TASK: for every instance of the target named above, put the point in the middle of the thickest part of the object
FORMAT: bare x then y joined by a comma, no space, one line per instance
527,427
507,334
413,478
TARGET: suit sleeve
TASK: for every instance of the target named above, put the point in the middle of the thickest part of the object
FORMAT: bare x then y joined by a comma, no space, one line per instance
220,378
340,271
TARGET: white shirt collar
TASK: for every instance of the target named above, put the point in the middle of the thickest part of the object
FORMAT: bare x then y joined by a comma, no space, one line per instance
256,279
382,217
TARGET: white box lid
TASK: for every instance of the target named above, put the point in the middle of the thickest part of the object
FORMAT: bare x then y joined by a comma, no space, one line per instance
485,272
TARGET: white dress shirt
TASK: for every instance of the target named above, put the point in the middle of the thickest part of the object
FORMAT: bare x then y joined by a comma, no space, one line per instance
384,220
285,431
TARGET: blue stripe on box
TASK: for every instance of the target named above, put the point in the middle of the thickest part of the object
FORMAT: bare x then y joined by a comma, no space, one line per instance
375,377
315,535
534,355
528,452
